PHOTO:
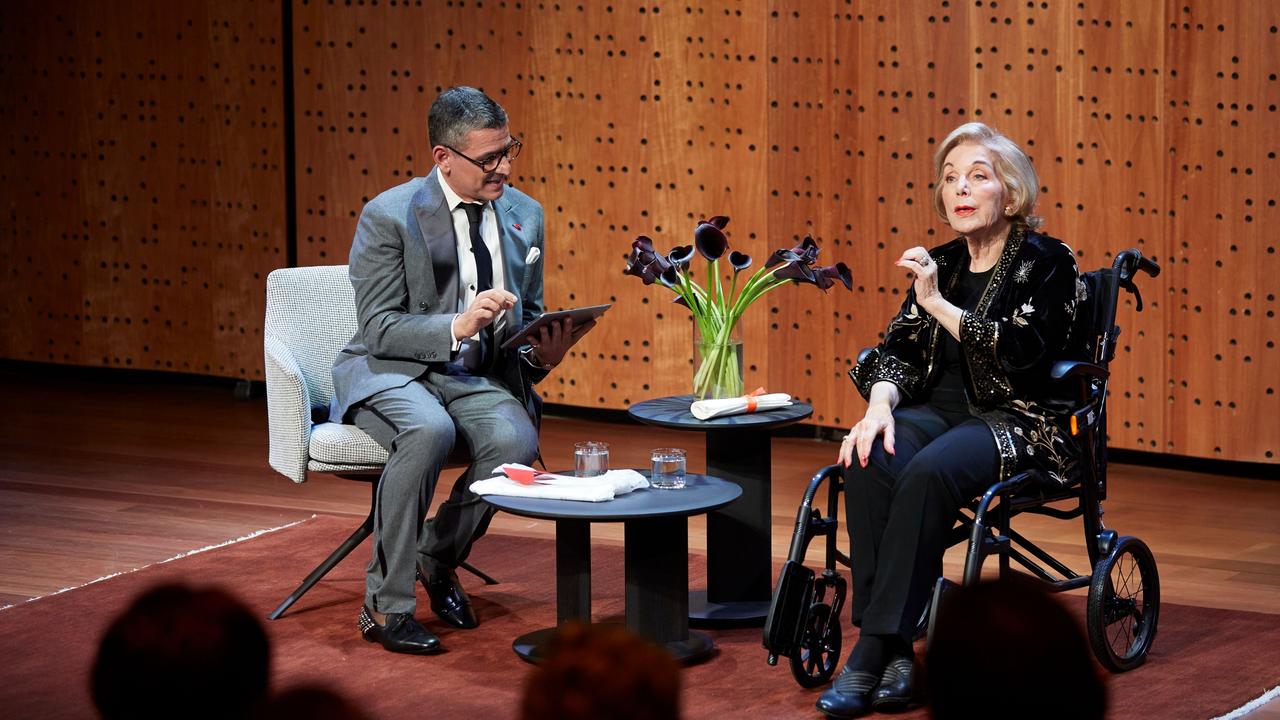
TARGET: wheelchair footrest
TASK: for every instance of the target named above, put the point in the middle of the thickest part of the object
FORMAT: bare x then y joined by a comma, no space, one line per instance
784,628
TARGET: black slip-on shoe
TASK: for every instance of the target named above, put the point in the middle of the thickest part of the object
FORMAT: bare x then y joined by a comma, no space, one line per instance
894,693
448,600
401,634
850,695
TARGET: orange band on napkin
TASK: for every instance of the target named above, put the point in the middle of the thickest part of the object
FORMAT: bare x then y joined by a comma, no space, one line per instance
751,398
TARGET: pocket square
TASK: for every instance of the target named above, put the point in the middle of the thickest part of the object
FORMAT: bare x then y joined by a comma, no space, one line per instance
532,257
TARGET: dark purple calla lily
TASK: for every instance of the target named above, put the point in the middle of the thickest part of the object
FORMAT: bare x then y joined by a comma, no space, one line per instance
719,221
798,271
644,263
669,276
739,261
826,277
806,252
679,300
680,255
710,241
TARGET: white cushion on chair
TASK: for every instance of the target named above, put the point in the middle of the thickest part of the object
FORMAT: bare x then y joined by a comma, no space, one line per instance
335,444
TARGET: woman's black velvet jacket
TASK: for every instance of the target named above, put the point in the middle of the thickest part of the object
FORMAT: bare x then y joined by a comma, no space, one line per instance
1019,328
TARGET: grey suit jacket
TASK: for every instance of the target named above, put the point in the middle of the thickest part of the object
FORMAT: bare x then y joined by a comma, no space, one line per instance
404,268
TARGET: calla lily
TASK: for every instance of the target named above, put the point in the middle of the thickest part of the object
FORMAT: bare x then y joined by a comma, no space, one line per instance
798,271
681,255
716,312
710,240
827,276
646,264
806,252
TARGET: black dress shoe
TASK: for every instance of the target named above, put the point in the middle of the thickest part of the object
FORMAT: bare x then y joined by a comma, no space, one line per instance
401,634
447,598
894,692
850,695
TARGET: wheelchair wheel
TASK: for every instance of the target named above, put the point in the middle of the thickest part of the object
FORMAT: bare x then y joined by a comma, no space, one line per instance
814,662
1124,605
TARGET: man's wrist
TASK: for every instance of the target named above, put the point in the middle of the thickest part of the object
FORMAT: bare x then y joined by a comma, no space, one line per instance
530,356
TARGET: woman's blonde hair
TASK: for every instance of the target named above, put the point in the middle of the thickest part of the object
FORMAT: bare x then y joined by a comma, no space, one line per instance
1013,169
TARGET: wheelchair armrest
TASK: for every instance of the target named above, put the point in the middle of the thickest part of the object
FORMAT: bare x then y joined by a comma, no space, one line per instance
1076,368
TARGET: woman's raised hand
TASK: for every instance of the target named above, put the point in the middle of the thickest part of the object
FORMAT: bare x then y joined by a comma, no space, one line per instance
918,261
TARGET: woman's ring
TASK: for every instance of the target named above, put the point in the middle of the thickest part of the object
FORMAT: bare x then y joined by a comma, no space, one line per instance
925,262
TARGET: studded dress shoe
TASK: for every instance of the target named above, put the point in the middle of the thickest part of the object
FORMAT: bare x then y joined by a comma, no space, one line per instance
401,634
894,693
448,599
850,695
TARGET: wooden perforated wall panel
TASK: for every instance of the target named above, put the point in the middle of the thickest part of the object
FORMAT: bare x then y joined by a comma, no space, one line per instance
1152,125
142,182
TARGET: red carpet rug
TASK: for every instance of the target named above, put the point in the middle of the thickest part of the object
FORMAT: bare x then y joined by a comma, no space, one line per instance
1205,662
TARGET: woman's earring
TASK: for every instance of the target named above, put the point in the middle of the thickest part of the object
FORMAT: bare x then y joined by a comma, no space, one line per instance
1008,210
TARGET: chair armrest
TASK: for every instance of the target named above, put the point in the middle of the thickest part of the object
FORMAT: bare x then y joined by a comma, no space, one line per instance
1073,368
288,411
862,354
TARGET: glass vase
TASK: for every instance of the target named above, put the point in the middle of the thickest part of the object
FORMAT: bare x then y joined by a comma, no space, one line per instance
717,360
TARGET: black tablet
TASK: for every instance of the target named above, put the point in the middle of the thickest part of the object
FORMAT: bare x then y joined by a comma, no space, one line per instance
580,317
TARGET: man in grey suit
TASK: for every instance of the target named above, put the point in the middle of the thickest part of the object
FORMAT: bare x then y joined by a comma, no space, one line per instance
444,269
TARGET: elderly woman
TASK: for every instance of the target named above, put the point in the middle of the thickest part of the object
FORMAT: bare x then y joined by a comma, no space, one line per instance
958,397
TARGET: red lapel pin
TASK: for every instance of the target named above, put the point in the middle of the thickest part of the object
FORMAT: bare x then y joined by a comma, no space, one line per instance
515,225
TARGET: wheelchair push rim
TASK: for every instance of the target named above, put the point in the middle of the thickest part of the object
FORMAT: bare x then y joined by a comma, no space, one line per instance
1124,606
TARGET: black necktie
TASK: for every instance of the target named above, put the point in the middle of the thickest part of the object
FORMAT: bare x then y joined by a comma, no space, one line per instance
484,276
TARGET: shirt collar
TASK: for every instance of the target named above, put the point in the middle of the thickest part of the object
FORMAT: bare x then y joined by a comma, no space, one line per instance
450,197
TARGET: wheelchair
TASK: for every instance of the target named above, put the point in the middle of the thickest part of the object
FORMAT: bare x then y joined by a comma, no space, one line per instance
1123,605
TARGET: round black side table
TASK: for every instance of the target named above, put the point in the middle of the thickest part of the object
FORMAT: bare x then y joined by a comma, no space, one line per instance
656,557
739,551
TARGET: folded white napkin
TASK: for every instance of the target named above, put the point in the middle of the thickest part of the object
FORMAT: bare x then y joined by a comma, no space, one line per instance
707,409
562,487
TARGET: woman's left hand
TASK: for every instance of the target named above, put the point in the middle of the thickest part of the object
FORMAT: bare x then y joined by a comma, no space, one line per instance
918,261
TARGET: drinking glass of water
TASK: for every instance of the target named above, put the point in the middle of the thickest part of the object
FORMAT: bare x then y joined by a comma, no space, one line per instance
590,458
668,468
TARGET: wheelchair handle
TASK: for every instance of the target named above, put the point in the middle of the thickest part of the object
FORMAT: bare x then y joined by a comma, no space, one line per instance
1129,262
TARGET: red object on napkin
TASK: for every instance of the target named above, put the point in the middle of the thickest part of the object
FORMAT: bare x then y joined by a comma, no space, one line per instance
521,475
751,398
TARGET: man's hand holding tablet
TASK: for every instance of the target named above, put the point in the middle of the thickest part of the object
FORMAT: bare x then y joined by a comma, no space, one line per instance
551,335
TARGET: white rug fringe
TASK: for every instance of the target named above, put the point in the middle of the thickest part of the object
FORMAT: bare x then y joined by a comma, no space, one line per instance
179,556
1254,704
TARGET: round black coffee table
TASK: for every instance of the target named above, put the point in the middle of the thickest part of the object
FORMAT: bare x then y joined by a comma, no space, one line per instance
656,557
739,549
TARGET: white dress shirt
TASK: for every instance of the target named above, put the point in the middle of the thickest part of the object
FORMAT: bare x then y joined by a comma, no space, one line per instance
467,277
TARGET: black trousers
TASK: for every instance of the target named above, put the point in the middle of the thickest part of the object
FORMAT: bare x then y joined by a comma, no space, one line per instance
900,509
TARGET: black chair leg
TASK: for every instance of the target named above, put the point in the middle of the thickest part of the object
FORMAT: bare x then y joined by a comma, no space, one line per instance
351,543
488,580
337,556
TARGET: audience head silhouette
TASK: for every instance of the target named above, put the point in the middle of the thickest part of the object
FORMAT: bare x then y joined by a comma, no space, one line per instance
1008,649
602,671
181,652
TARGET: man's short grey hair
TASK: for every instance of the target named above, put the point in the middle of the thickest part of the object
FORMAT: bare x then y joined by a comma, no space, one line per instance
1012,165
458,111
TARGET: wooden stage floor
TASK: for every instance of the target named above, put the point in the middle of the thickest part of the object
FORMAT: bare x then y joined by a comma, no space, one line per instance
105,472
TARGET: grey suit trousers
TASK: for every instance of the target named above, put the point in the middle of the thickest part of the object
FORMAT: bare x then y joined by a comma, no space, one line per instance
418,425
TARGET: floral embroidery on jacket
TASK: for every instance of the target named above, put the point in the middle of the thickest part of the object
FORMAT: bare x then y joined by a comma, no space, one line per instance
1023,273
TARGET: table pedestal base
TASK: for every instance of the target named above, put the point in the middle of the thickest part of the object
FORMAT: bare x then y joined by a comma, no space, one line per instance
531,647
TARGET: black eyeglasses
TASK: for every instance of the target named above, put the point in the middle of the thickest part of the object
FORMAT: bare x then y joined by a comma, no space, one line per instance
489,163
